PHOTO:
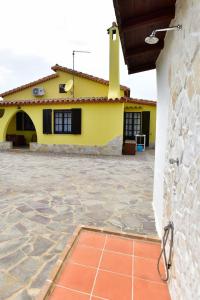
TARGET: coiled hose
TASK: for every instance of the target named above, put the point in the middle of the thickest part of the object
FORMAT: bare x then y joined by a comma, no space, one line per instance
168,232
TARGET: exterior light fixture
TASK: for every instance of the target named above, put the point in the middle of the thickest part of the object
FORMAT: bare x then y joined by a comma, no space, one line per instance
153,39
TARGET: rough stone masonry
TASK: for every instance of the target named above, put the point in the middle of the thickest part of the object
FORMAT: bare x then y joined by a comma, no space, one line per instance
182,183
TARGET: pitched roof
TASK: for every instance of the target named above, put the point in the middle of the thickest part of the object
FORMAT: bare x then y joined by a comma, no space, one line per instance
87,76
77,101
64,69
25,86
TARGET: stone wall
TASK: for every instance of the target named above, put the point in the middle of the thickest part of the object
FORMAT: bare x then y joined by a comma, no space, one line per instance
5,146
114,147
180,60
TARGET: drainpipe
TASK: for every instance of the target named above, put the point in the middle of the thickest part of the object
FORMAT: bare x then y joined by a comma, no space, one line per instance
114,81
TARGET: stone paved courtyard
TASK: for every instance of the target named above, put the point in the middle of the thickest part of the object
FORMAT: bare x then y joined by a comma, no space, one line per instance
44,197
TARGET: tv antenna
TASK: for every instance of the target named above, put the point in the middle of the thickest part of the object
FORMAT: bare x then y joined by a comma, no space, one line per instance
73,55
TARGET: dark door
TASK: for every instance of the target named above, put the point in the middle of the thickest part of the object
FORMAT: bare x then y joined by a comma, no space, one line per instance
146,125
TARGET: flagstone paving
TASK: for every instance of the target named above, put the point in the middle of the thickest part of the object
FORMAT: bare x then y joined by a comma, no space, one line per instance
44,197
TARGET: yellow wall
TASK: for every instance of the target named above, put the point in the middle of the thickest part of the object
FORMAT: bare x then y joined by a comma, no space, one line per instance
128,107
100,123
82,88
12,130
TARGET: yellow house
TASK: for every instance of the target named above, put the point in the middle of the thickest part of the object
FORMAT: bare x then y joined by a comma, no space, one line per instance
73,112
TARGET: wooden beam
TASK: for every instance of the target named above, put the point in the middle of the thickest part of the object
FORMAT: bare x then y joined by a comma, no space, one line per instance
149,19
144,49
141,68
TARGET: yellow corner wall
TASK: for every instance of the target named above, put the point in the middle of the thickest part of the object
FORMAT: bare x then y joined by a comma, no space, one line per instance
128,107
101,123
82,88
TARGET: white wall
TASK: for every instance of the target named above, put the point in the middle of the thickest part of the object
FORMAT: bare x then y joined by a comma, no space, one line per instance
177,188
161,137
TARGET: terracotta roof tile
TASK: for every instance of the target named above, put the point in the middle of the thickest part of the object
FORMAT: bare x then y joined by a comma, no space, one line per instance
25,86
64,69
87,76
76,101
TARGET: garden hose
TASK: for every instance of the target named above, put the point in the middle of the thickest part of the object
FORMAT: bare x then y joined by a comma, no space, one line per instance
168,231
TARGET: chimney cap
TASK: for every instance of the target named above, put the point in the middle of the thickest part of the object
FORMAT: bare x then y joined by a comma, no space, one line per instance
114,24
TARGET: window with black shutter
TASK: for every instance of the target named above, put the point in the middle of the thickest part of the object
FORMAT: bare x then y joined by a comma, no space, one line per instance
47,121
67,121
62,121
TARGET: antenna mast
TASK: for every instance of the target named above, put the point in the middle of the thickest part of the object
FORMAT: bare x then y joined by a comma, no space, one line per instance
73,55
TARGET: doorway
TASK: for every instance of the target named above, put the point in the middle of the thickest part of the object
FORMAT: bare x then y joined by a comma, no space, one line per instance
21,130
136,123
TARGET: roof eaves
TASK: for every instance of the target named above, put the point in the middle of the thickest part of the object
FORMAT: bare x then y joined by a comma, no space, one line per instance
76,101
64,69
84,75
25,86
141,101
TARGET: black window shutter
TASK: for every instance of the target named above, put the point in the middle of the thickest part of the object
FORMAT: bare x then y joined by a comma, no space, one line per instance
19,120
124,135
47,121
146,125
76,121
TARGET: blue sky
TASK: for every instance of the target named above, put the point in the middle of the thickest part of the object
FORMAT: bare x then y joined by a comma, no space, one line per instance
38,34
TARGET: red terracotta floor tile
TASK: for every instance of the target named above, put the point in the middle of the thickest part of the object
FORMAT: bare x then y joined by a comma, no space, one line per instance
146,268
114,278
85,255
116,262
77,277
97,298
113,286
60,293
145,249
118,244
92,239
146,290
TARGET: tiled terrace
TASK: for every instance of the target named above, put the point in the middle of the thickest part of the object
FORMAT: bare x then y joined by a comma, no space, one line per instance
109,267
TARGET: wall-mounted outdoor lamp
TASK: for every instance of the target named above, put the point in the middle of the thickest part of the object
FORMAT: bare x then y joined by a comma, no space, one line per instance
153,39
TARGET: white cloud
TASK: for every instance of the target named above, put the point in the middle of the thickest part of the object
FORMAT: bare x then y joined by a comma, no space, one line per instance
18,69
37,34
5,74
